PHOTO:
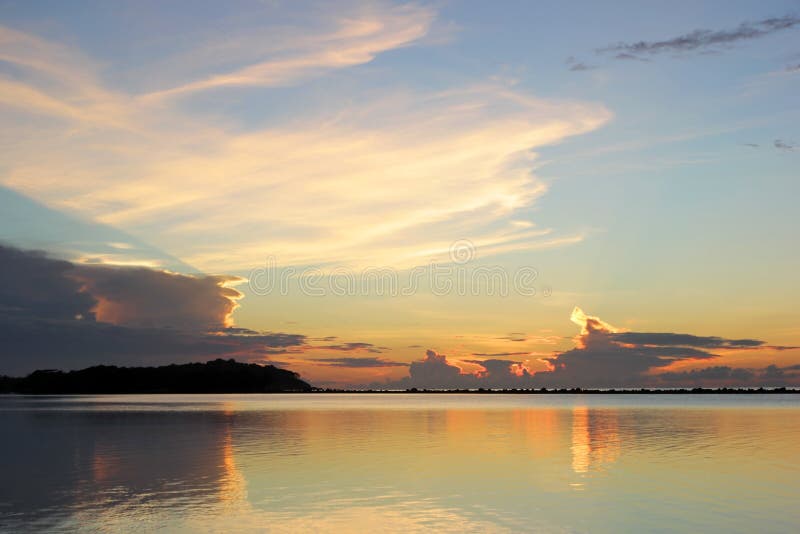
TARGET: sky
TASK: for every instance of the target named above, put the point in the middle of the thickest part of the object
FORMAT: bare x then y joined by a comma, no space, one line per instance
388,194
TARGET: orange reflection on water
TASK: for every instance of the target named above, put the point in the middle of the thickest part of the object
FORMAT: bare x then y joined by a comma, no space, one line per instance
232,484
103,466
595,438
581,447
471,465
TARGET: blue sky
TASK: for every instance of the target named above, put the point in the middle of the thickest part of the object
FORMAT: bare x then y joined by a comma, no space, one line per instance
657,190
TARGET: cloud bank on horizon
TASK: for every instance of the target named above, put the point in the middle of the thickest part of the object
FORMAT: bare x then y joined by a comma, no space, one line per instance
56,314
605,357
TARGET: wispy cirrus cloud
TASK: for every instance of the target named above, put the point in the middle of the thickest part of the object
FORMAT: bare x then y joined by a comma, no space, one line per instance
221,197
355,39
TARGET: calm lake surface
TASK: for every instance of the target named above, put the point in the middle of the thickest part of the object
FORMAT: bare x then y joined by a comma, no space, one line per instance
361,463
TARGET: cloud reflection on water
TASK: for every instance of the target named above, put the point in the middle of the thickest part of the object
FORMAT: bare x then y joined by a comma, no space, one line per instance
400,463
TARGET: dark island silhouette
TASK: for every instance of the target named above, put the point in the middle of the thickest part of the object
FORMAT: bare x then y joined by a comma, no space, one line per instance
216,376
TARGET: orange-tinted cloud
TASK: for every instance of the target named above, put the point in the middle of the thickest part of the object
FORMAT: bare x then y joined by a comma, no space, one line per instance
605,357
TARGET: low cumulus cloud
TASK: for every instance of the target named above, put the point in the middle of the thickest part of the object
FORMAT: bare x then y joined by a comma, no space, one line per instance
606,357
702,40
56,314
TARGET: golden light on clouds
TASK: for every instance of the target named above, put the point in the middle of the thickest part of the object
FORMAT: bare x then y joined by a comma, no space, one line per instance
379,182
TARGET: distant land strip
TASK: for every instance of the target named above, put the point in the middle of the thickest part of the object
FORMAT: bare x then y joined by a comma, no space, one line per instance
575,391
230,376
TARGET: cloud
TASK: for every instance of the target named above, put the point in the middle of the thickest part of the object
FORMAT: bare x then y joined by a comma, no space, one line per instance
686,340
135,296
56,314
434,371
702,40
198,184
575,65
715,373
515,336
351,347
605,357
722,375
356,39
631,57
785,146
36,286
61,344
358,362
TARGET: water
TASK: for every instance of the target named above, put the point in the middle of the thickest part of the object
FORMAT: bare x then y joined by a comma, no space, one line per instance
452,463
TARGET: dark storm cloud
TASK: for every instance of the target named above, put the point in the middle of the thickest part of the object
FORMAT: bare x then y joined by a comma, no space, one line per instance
137,296
703,40
54,314
793,68
358,362
33,285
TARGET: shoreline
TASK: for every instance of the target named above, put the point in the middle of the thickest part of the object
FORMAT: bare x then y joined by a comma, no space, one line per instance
570,391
